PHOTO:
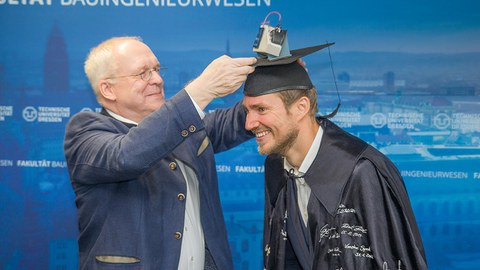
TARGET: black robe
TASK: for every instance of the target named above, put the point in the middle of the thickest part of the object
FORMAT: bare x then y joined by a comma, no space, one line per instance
359,213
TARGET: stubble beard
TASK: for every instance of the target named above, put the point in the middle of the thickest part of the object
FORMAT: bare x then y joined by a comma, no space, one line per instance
283,144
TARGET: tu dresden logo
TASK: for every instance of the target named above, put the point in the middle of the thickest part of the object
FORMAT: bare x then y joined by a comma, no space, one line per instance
30,114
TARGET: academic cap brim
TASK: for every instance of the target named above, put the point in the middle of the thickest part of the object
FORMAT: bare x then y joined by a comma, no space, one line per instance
295,54
272,76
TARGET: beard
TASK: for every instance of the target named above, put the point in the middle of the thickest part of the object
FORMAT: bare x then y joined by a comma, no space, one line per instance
283,144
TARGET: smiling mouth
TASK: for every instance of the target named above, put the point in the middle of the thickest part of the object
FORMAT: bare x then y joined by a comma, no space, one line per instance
262,134
156,93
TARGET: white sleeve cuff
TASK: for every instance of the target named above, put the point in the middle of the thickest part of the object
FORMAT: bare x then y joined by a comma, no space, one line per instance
200,112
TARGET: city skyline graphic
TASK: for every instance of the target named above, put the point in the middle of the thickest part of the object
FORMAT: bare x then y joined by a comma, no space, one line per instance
408,80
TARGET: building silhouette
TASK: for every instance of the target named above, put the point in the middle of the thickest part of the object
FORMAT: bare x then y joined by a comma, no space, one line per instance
227,48
389,82
56,70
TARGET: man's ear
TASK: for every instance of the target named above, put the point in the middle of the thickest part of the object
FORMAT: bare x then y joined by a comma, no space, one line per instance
302,106
106,90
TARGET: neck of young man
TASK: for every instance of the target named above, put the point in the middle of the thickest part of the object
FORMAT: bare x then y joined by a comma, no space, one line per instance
296,154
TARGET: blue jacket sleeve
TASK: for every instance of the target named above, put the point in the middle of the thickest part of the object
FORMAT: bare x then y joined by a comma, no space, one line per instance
226,128
101,149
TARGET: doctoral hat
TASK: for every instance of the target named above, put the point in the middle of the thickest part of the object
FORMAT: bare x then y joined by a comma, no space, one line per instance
271,76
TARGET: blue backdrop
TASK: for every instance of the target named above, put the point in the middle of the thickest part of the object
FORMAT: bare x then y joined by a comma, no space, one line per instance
408,73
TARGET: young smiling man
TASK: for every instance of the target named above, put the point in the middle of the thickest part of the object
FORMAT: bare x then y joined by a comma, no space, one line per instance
331,200
143,169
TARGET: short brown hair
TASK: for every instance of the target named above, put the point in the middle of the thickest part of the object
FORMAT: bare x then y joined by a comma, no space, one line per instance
291,96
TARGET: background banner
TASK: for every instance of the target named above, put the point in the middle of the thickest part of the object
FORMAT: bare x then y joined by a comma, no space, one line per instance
407,71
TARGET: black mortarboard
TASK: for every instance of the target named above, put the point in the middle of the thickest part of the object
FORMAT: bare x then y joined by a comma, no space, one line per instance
276,75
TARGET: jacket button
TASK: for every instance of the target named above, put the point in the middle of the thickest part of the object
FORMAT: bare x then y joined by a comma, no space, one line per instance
172,165
192,128
178,235
184,133
181,197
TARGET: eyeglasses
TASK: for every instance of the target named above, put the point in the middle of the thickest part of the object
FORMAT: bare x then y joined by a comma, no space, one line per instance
145,75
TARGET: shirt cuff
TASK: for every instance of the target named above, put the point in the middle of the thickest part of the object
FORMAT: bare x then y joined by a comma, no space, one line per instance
200,112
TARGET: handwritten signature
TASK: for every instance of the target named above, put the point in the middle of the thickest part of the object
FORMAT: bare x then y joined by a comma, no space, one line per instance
399,266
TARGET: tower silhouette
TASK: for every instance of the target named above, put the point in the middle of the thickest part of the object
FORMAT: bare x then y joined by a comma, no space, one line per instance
227,48
56,63
389,82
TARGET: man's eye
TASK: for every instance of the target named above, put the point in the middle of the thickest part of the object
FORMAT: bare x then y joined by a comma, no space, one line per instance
261,109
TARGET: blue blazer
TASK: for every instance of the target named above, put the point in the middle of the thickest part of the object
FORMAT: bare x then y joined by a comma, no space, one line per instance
130,193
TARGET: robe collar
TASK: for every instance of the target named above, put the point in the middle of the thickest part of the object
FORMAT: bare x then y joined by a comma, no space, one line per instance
334,164
330,170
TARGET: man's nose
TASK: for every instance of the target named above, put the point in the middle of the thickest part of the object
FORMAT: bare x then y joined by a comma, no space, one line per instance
156,78
251,122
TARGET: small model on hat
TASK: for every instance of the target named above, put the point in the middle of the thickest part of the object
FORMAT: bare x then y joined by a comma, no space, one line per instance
277,68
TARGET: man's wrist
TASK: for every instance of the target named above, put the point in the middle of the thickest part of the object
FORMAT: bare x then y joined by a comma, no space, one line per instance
198,94
200,111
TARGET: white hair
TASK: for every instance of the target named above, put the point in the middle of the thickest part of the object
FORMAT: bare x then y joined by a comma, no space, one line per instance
100,63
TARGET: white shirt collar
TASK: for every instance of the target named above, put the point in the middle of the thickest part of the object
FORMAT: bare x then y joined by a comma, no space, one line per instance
121,118
309,158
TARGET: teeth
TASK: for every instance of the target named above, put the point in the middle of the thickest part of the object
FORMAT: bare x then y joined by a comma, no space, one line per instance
261,134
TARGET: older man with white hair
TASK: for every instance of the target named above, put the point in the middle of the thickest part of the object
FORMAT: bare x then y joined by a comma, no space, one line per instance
143,169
